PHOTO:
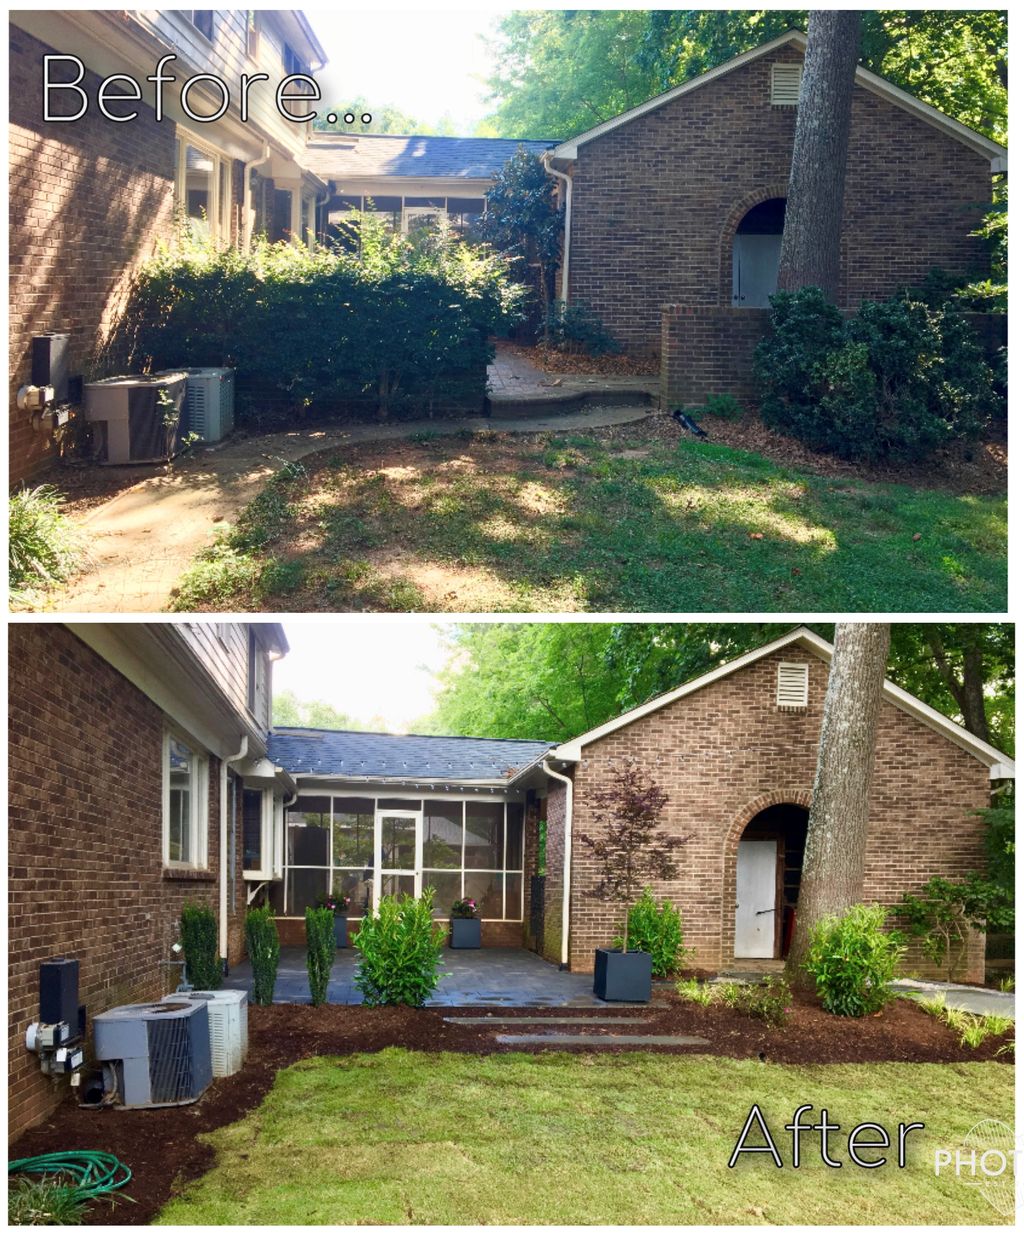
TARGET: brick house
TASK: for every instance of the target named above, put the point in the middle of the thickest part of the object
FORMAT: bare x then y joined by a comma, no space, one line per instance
674,210
137,781
146,752
90,198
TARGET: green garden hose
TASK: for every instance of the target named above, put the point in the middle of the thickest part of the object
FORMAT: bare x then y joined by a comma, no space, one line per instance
94,1173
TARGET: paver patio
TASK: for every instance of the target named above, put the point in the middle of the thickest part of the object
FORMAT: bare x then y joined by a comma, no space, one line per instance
502,977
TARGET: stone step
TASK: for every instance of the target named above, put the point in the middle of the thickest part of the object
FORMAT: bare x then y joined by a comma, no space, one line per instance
560,402
543,1020
599,1039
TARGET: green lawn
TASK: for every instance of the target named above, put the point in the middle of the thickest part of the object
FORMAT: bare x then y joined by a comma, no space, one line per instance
402,1137
554,524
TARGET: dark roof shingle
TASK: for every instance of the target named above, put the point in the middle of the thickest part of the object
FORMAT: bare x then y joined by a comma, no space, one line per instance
342,753
385,154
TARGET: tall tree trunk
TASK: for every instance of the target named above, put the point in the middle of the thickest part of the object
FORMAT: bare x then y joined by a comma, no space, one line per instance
833,871
814,207
969,689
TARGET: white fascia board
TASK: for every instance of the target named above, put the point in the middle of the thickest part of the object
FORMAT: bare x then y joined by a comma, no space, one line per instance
1001,766
438,786
870,81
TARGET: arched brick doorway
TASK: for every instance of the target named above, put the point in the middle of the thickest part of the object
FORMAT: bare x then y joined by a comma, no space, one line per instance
756,246
763,861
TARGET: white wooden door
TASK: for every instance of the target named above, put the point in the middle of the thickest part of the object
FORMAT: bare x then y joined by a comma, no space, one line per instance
755,898
755,269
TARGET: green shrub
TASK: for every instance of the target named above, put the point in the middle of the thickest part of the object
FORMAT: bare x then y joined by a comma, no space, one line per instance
399,951
893,383
199,943
769,1000
695,992
853,959
320,951
725,407
264,948
44,547
657,929
44,1202
943,913
400,326
576,328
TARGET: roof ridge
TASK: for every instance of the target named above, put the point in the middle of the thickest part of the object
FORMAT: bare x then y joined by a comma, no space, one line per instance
382,733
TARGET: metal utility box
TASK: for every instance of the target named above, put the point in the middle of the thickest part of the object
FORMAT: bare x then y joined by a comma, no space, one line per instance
58,992
133,423
50,363
159,1053
210,403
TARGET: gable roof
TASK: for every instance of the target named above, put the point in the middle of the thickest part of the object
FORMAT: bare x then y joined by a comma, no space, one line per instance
1000,766
795,38
376,155
346,754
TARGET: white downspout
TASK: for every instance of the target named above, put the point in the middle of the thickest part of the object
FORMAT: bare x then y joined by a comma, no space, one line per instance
223,915
566,858
247,220
567,233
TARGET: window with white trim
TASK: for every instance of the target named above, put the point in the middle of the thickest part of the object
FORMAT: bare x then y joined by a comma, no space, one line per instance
186,802
785,89
791,686
202,186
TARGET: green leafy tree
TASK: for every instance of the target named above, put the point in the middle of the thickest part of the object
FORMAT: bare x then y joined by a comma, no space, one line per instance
944,912
523,222
387,118
291,711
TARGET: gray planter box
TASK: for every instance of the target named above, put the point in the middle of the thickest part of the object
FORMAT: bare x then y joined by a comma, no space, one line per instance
624,976
340,931
465,933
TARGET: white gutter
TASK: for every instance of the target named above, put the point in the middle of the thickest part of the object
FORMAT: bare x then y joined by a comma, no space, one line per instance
566,858
223,915
247,220
567,232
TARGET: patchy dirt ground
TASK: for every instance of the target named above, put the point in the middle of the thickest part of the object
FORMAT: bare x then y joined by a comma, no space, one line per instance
161,1147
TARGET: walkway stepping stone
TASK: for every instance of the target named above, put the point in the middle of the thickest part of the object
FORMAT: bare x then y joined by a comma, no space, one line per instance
542,1020
599,1039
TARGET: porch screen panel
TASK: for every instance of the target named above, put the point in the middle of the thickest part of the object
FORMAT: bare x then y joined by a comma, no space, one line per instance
352,852
484,835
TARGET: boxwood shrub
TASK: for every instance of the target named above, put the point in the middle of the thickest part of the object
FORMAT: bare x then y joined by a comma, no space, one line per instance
399,327
892,383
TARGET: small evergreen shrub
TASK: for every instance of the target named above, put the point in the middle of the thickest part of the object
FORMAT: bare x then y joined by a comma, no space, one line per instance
725,407
264,948
853,959
199,943
894,383
400,950
43,547
320,950
575,328
657,929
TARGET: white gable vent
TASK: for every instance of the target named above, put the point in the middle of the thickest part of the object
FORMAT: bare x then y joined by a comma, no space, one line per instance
791,689
786,84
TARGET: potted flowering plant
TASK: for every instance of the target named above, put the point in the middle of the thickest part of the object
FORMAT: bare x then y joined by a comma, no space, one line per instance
338,905
465,925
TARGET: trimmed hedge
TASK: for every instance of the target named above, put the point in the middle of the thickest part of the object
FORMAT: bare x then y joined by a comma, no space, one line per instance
320,950
892,383
264,948
199,944
400,328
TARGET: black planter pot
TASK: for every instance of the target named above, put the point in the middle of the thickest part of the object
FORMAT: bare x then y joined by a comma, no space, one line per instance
340,930
465,933
624,976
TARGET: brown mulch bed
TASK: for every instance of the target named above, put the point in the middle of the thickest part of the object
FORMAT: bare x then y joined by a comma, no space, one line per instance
553,361
977,469
162,1149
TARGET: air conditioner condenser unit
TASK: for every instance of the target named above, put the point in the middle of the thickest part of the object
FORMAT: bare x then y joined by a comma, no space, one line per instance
209,403
137,417
228,1013
157,1054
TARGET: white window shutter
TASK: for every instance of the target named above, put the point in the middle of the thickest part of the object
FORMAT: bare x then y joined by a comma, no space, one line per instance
791,689
785,90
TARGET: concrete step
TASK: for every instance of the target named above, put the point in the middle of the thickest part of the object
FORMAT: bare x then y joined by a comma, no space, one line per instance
543,1020
563,402
599,1039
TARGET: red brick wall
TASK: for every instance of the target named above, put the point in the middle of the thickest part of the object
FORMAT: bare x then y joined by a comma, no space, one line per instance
292,933
85,844
88,199
706,351
726,752
656,202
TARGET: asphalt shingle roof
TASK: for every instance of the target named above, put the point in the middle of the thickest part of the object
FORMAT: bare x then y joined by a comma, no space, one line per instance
333,752
385,154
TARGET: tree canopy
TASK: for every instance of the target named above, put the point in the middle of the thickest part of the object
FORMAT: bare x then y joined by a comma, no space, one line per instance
290,710
560,72
554,680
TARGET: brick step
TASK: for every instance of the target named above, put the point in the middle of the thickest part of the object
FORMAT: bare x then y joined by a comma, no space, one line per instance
599,1039
563,402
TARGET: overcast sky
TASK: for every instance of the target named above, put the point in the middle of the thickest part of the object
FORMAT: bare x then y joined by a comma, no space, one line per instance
369,668
428,62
